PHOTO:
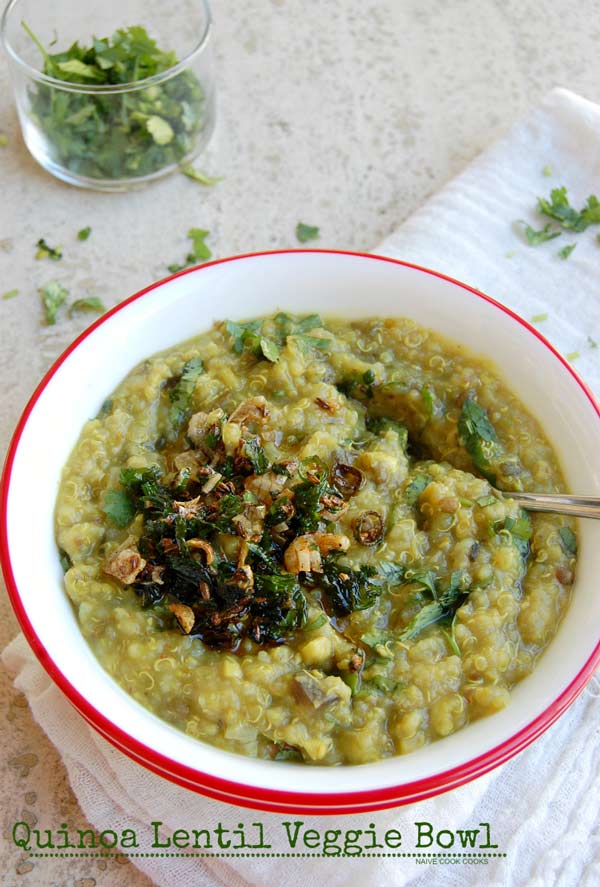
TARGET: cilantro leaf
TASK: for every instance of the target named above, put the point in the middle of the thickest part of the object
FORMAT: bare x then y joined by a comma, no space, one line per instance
568,540
305,233
198,176
479,437
534,238
270,349
90,303
447,603
119,507
566,251
559,208
84,233
47,252
200,252
181,394
53,295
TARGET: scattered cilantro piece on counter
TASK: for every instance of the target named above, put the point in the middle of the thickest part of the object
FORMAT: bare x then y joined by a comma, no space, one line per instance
568,540
10,294
534,238
3,140
53,295
44,251
198,176
84,233
591,342
547,171
573,355
305,233
566,251
539,318
200,251
89,303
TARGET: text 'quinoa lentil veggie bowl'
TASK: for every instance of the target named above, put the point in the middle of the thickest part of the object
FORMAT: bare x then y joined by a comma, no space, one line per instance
280,538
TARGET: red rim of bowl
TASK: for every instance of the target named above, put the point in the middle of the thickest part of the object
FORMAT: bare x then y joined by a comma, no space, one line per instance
242,794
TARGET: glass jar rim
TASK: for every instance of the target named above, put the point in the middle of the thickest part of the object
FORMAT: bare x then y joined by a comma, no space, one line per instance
103,88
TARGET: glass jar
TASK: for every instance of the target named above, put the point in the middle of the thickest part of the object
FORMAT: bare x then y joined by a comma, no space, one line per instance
91,129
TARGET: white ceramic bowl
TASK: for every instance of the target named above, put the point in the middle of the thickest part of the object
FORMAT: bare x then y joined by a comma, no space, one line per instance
354,286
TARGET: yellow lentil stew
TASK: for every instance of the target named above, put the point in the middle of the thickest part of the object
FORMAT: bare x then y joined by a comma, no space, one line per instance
281,537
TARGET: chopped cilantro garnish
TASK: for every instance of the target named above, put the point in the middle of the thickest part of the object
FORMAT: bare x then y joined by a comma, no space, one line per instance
479,437
559,208
573,355
198,176
566,251
181,394
539,318
120,136
53,295
447,603
306,232
119,507
269,349
48,252
90,303
534,238
10,294
416,487
84,233
568,540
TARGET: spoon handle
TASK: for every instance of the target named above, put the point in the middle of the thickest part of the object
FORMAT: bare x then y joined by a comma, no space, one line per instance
578,506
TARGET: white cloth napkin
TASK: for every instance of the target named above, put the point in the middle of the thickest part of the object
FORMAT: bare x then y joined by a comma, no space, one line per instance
543,805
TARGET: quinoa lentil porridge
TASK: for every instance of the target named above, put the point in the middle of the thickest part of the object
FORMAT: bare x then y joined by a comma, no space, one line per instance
281,538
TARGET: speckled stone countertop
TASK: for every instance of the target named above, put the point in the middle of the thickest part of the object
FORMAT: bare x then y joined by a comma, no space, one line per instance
339,113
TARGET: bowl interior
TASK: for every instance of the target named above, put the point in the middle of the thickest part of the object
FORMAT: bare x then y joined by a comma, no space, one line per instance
333,284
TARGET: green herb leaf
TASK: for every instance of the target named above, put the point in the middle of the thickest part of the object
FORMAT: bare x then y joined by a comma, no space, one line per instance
160,130
591,342
305,233
90,303
10,294
534,238
53,295
573,355
448,602
244,334
568,540
84,233
479,437
547,171
47,252
559,208
200,250
269,349
181,394
119,507
539,318
198,176
416,487
566,251
79,69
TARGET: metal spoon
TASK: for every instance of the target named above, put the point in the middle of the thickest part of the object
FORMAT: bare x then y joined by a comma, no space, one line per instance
578,506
